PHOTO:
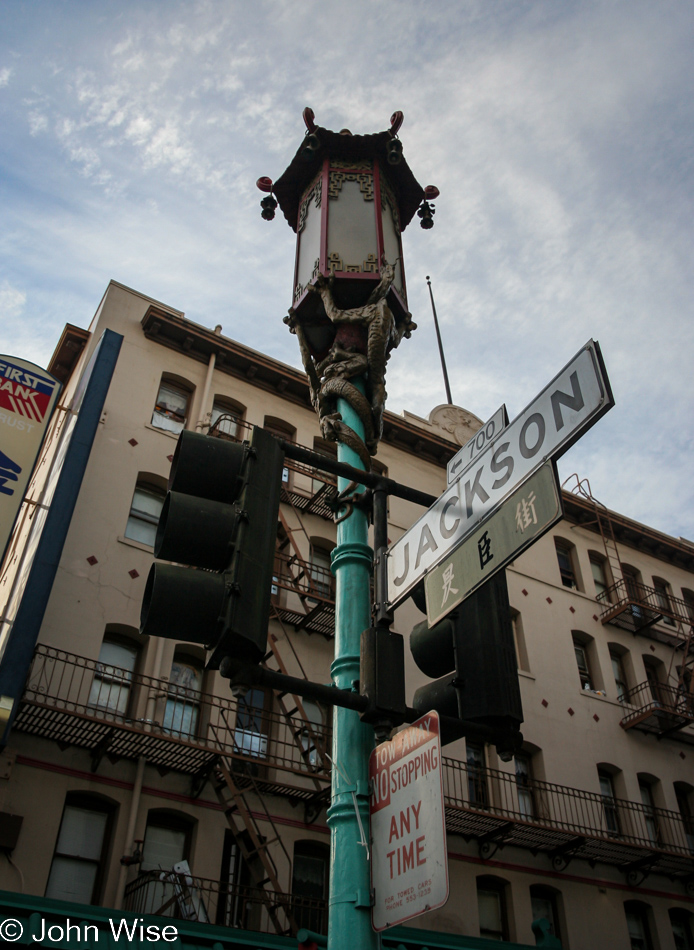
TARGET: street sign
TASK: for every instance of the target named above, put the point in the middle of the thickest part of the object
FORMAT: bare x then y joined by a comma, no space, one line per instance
476,445
575,399
409,860
520,520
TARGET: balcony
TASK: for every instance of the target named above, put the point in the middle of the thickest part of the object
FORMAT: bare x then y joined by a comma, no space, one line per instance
492,808
637,608
303,595
660,709
80,702
306,488
489,806
226,904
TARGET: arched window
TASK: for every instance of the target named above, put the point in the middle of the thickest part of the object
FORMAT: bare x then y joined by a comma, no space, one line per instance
601,582
684,793
322,580
167,842
586,661
226,418
145,508
663,597
617,657
478,792
185,691
491,904
172,404
681,923
649,830
524,784
568,565
545,902
610,808
113,677
282,430
638,925
80,857
310,885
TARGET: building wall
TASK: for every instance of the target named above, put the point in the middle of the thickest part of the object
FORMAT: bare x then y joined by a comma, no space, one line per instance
569,731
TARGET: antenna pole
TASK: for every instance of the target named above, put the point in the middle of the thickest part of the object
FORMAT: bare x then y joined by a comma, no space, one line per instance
438,337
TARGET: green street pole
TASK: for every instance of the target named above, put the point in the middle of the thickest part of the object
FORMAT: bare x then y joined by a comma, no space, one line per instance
348,816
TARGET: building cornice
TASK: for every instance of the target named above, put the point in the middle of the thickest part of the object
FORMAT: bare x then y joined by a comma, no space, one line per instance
67,353
264,372
628,533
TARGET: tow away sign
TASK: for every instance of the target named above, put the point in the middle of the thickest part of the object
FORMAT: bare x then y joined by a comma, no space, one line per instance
409,860
575,399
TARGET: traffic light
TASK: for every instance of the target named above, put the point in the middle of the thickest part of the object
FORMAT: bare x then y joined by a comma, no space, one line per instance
474,646
220,517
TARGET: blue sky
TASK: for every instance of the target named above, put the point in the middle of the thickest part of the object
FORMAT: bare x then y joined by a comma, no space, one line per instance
561,137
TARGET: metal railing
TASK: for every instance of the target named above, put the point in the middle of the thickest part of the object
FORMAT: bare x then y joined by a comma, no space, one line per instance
670,705
224,903
307,580
647,604
561,808
97,691
69,686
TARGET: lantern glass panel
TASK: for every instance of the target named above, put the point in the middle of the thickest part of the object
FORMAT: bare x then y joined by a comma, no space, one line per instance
351,228
309,244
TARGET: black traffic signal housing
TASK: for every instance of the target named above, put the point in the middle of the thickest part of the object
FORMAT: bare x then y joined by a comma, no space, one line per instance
474,645
219,517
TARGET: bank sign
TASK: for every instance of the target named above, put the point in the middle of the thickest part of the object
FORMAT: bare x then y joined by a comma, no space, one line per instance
409,861
27,398
575,399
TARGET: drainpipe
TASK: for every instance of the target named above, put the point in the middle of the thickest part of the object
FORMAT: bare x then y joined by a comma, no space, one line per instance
130,831
204,416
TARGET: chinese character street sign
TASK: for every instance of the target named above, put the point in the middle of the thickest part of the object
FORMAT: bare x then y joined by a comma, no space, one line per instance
409,861
523,517
575,399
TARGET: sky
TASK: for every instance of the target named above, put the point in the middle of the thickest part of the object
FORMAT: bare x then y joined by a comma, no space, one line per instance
560,135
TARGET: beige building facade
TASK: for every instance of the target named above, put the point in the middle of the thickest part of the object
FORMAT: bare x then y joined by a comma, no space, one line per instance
124,748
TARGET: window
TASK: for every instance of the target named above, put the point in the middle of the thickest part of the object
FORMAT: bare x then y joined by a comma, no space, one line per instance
662,597
519,641
476,775
110,691
491,904
524,785
171,407
618,673
148,500
233,909
609,803
567,565
184,694
634,590
250,733
599,572
282,430
225,419
544,902
582,661
310,885
649,814
681,921
167,842
684,794
319,567
79,860
312,732
653,668
637,925
688,598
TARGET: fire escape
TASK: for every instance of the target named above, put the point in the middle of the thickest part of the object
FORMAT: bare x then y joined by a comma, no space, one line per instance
661,708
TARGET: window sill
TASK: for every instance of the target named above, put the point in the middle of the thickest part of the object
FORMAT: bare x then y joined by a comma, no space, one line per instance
169,435
596,694
135,544
526,675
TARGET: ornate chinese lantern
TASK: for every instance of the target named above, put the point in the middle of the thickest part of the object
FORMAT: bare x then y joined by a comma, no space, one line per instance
348,198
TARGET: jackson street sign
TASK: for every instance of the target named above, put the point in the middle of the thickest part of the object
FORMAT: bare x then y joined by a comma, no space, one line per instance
575,399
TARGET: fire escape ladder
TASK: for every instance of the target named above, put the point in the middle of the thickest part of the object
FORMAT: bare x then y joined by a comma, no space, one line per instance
301,727
685,673
610,543
297,558
253,845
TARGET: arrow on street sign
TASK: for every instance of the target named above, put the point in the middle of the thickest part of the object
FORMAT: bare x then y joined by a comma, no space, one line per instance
476,445
523,517
575,399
